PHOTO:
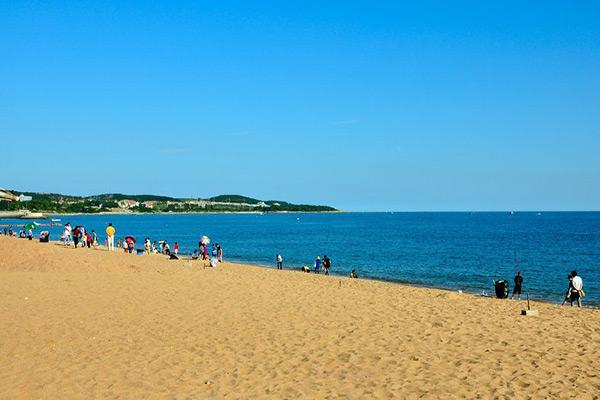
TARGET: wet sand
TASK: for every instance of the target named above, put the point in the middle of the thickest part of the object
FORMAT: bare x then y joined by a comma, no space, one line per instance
85,323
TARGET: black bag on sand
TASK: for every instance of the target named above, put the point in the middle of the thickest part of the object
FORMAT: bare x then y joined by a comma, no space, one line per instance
501,287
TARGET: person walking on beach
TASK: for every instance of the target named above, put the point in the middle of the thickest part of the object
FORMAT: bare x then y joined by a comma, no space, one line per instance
577,289
279,260
518,286
66,236
82,232
326,264
76,236
568,293
176,248
94,238
318,265
110,236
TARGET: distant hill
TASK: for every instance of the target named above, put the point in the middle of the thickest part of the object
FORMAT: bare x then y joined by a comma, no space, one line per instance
234,198
137,197
146,203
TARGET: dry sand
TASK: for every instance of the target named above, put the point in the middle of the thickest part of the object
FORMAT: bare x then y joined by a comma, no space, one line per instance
92,324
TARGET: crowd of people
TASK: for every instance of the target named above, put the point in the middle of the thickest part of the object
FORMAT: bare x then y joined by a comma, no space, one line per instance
79,236
23,234
320,264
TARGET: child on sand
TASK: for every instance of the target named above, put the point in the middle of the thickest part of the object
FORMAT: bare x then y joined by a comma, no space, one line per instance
353,274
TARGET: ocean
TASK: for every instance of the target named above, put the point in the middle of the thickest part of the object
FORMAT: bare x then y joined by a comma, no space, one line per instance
456,251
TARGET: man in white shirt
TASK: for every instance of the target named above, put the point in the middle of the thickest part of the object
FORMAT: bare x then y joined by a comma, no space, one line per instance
577,290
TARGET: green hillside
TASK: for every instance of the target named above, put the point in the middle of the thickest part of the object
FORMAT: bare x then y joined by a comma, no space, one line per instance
55,203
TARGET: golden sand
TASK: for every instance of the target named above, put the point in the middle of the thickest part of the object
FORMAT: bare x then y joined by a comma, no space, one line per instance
85,324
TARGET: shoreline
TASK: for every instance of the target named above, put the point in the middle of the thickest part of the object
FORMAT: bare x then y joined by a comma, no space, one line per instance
199,213
333,274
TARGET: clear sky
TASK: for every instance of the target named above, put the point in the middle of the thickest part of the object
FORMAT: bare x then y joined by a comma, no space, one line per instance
360,105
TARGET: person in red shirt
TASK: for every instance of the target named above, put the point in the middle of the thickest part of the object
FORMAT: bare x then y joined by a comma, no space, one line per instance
176,248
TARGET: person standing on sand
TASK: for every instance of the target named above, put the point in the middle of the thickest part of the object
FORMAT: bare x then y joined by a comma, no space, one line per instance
279,261
518,286
326,264
94,238
76,236
66,236
568,294
219,253
176,248
110,236
318,265
577,289
83,236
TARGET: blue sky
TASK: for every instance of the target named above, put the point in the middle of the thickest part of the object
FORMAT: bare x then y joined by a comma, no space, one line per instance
360,105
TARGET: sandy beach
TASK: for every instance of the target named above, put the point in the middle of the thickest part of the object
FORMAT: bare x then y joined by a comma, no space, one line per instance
85,323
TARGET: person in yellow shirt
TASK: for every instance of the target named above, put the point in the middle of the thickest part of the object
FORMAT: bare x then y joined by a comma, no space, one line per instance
110,236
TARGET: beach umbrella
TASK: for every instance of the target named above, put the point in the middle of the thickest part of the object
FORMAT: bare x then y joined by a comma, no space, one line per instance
31,225
205,240
130,239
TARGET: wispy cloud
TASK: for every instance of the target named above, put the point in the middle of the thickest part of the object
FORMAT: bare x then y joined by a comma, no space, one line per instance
345,122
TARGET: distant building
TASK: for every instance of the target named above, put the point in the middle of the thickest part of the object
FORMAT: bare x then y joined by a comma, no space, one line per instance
128,203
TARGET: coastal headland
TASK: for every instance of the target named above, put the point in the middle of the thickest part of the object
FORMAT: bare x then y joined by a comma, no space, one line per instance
88,323
117,203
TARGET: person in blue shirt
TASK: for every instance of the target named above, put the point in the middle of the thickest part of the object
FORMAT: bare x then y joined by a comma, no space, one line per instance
318,265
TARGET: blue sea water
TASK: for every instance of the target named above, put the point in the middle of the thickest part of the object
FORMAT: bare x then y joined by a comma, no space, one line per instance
465,251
